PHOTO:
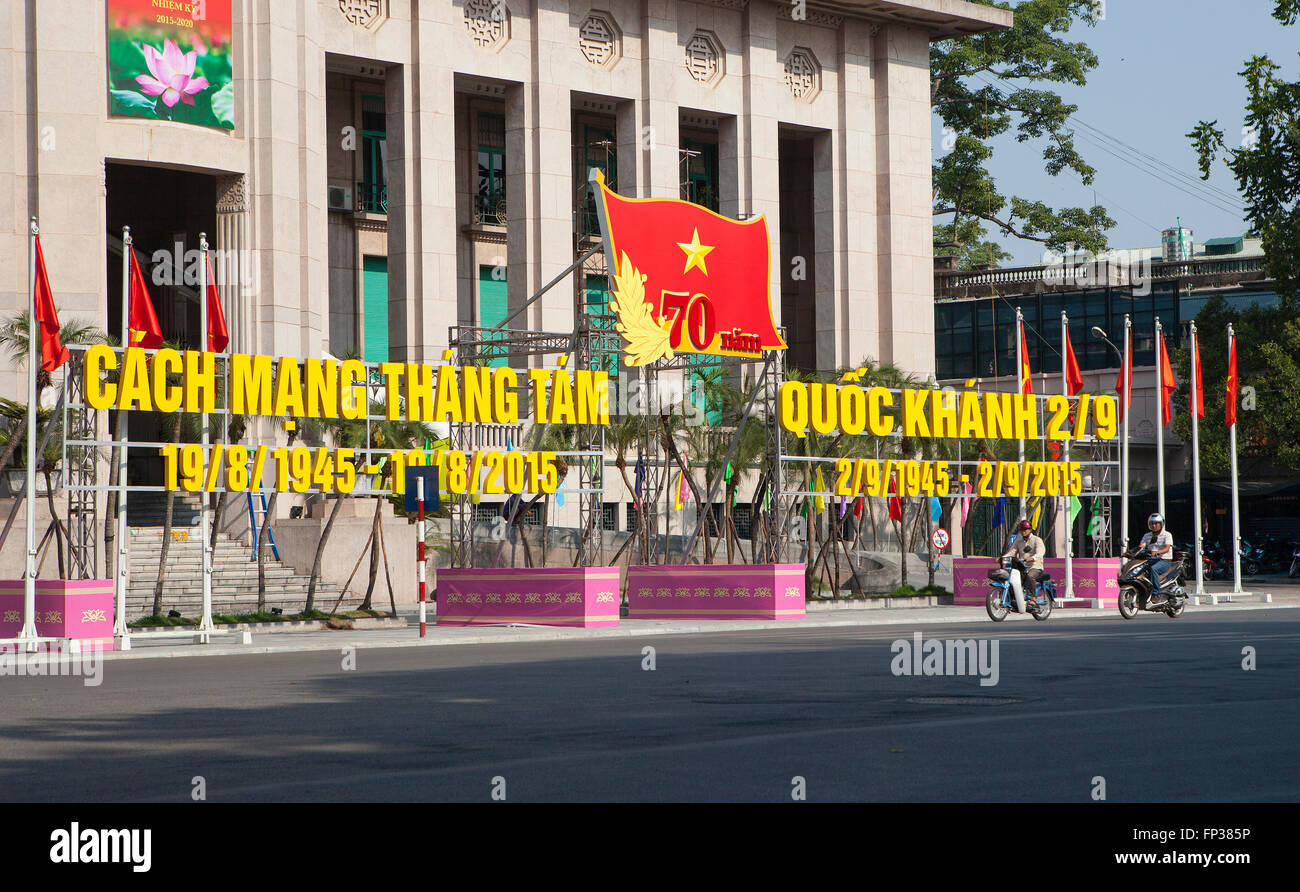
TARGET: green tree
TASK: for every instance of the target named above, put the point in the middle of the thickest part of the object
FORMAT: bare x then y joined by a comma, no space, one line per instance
988,85
1267,164
1268,360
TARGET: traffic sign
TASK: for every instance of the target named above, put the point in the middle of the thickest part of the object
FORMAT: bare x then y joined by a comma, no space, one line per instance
939,538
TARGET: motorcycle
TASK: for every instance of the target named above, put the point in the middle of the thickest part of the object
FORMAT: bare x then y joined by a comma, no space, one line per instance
1135,593
1262,558
1295,563
1005,592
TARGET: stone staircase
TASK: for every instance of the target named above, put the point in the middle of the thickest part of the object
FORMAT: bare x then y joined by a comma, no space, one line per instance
234,576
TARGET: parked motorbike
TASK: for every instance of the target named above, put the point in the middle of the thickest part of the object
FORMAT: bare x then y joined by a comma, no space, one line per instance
1295,562
1135,594
1005,591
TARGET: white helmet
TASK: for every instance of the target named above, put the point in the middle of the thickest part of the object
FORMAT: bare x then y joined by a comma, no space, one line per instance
1154,519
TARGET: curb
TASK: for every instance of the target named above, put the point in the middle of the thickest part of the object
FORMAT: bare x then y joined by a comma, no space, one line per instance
653,628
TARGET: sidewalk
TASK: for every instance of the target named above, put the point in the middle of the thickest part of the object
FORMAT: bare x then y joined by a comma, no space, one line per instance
268,641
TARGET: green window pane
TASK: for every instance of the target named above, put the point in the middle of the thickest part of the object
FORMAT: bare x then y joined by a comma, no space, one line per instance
374,286
493,304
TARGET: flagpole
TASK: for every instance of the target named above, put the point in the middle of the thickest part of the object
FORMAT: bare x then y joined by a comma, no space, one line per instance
1232,451
119,619
1196,464
1069,521
28,632
1127,377
1020,387
205,624
1160,416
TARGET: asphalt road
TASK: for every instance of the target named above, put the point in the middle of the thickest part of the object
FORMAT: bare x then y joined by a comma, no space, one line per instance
1161,709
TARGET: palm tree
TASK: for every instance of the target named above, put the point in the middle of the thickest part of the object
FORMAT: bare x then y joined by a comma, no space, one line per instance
349,433
14,339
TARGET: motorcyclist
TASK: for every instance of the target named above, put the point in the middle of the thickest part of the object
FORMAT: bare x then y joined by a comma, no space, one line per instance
1158,541
1029,551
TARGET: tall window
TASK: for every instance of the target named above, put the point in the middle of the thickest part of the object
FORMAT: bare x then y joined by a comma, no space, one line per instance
493,305
599,149
490,199
700,184
373,189
374,282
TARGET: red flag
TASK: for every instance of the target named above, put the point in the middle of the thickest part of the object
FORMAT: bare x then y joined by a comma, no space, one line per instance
895,503
703,279
142,323
218,335
1026,376
1196,370
857,508
1230,406
1119,379
1073,375
1168,386
53,353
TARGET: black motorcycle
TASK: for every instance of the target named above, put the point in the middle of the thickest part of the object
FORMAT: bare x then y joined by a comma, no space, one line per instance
1135,593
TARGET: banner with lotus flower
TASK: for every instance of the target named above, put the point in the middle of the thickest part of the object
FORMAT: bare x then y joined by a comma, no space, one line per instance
170,60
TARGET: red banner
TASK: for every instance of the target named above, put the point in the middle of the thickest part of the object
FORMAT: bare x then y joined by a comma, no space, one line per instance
687,280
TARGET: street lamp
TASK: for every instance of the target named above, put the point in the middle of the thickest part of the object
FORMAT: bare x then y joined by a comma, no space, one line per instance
1101,333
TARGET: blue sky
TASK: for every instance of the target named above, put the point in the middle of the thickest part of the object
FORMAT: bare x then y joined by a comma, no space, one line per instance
1165,64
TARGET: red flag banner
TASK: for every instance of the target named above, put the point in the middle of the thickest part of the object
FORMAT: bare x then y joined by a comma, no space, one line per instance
53,353
1119,379
686,279
895,503
1026,376
142,323
218,335
1196,370
1168,386
1073,374
1230,406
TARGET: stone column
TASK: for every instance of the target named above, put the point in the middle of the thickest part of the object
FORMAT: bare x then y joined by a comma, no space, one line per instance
757,139
661,66
856,221
903,207
230,259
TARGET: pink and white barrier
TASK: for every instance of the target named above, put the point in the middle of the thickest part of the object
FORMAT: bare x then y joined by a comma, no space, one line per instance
1094,580
81,609
716,591
547,596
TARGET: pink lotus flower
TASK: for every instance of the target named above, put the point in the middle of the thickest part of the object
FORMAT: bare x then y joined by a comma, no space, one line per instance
173,75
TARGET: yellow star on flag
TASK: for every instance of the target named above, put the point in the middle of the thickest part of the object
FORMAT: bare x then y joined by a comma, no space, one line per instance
695,253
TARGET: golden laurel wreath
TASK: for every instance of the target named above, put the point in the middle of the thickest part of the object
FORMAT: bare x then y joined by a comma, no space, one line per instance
647,339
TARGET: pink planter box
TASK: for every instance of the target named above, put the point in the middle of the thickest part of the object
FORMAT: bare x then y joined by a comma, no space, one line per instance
1094,579
65,608
716,591
547,596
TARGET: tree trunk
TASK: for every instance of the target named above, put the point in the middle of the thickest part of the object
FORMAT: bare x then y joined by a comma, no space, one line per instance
320,552
262,535
110,507
167,533
374,556
54,517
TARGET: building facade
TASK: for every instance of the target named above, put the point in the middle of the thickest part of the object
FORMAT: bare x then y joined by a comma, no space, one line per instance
393,168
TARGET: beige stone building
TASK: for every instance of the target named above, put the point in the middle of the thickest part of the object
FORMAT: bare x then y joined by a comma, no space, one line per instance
400,167
397,167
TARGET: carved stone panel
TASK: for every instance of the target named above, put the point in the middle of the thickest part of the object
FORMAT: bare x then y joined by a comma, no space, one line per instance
487,22
705,60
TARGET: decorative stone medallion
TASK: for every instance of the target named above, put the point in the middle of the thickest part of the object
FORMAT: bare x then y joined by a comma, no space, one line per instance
364,13
803,74
704,58
600,40
488,23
